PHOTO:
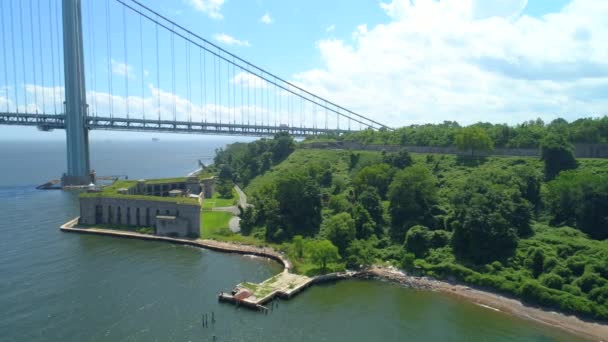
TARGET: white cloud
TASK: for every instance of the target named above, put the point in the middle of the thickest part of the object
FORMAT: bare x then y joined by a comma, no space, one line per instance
210,7
266,19
468,61
330,28
245,79
229,40
122,69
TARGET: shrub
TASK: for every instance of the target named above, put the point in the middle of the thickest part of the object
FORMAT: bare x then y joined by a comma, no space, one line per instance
418,240
572,289
552,280
589,281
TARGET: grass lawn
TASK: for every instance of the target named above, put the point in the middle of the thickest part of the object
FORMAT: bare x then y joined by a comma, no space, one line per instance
215,201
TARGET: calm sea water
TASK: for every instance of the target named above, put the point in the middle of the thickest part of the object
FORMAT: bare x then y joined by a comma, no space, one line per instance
66,287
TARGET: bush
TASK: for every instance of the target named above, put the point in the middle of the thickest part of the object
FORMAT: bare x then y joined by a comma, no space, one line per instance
589,281
535,261
418,240
552,280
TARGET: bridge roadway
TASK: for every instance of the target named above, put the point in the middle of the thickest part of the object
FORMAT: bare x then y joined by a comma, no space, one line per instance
46,122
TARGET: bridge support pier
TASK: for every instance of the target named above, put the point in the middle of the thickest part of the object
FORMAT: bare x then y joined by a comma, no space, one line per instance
77,135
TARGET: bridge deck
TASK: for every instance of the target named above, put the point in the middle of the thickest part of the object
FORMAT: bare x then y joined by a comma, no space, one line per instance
51,121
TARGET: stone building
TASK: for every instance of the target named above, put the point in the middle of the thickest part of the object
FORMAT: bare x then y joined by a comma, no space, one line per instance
167,218
137,204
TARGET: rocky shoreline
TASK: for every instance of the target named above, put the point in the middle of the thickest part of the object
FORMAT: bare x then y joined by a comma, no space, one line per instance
586,329
593,331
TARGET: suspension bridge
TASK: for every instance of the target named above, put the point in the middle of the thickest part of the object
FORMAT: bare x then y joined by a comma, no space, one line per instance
144,72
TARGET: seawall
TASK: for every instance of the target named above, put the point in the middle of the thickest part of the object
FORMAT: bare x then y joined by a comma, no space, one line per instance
71,227
580,150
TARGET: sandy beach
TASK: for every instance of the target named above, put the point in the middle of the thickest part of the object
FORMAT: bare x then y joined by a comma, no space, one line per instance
586,329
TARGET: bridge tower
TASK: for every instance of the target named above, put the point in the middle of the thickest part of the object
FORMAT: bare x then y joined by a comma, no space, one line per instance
77,134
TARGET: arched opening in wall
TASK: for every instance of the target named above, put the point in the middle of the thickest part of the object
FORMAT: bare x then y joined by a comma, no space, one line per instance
167,212
110,215
118,215
129,216
176,213
137,221
98,214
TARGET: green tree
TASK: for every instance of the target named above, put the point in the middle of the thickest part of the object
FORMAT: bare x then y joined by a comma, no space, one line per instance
535,261
248,221
412,195
360,253
418,240
580,198
224,188
364,223
408,261
298,244
339,229
484,222
322,253
400,159
299,199
558,155
371,201
473,139
377,176
283,146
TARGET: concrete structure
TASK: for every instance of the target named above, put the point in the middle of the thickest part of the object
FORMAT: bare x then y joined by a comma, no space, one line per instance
77,135
580,150
136,204
166,217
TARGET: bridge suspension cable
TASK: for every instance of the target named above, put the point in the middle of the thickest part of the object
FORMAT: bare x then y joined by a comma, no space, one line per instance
229,94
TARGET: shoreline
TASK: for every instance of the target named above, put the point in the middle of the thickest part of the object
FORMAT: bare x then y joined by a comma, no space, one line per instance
487,299
493,301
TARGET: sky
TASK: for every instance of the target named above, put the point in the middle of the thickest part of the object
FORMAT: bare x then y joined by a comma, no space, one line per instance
400,62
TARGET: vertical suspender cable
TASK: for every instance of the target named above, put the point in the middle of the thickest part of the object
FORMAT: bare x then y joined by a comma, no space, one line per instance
173,75
23,52
4,57
219,88
241,102
109,52
40,54
141,61
14,52
248,107
126,71
215,88
188,81
52,60
205,84
200,69
255,100
33,59
60,75
157,73
233,92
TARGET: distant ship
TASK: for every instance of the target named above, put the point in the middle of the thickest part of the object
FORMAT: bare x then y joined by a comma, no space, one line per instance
155,139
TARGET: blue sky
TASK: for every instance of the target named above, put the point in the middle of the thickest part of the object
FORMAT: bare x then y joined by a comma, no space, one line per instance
399,61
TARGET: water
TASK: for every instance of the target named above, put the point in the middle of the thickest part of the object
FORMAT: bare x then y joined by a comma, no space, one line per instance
58,286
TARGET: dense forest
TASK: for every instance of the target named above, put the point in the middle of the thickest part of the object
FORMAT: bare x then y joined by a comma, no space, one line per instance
525,135
528,227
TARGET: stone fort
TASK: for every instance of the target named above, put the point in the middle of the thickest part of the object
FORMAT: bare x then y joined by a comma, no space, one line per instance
172,207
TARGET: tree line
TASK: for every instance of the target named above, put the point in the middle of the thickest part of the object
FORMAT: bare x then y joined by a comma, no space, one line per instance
528,227
528,134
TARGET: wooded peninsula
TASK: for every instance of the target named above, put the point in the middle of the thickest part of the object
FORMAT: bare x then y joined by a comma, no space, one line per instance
533,228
